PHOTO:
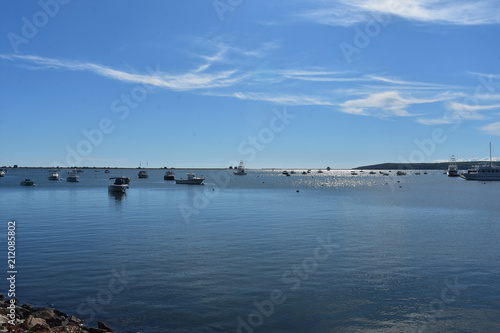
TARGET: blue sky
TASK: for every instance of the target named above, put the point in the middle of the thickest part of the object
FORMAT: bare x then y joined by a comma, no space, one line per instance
274,83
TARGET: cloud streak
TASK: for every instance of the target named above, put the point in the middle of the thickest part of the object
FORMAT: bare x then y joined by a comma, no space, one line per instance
195,79
351,12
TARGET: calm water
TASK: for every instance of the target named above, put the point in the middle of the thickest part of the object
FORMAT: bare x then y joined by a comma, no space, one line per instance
346,253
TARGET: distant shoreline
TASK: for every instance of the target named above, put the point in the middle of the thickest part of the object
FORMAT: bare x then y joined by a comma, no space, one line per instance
381,166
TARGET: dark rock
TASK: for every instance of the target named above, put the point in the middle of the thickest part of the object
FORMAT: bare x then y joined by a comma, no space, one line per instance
103,326
2,297
32,322
27,306
95,330
40,328
50,316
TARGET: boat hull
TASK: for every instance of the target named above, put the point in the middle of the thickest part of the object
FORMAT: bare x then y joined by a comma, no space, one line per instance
72,179
117,188
189,181
169,177
473,176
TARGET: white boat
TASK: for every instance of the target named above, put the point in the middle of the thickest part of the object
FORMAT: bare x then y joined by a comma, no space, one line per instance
191,180
27,182
143,174
483,172
118,184
2,173
240,171
53,175
452,168
169,175
73,177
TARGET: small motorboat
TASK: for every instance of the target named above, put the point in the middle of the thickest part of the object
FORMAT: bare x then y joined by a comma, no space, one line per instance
292,172
107,171
191,180
53,175
372,172
2,173
169,175
400,173
304,173
328,168
284,172
143,174
320,171
27,182
73,177
118,184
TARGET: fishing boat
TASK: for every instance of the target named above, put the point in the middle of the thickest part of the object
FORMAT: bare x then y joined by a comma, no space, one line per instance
240,171
27,182
191,180
53,175
143,174
169,175
483,172
118,184
73,177
452,168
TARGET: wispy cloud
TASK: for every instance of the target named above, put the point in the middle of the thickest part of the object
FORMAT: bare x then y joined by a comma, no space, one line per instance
195,79
350,12
277,98
389,103
434,121
493,128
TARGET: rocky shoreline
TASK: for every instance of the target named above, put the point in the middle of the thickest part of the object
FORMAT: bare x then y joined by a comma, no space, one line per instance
26,318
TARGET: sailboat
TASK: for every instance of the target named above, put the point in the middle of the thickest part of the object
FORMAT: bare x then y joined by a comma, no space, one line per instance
483,172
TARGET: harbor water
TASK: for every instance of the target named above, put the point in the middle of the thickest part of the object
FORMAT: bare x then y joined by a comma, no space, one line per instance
320,252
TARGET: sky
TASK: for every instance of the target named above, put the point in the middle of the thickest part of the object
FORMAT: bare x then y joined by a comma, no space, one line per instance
277,84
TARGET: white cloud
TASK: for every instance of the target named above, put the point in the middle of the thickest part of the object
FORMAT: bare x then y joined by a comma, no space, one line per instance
435,121
351,12
383,104
471,108
195,79
286,99
493,128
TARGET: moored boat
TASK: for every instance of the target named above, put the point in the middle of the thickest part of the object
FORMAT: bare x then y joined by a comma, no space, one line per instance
143,174
240,171
191,180
73,177
118,184
53,175
27,182
452,168
2,173
483,172
400,173
169,175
